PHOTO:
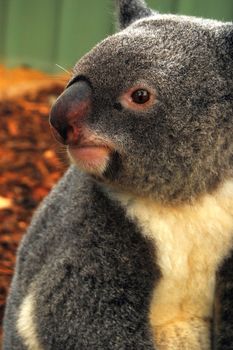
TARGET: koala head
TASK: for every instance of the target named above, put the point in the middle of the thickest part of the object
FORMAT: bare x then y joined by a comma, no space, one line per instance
149,110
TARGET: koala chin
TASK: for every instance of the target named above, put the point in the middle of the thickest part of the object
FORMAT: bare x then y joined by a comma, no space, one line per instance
132,249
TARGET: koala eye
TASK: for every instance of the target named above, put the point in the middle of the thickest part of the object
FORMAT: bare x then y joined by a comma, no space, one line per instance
140,96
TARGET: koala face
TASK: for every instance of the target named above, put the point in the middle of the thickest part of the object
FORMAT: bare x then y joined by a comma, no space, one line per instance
150,109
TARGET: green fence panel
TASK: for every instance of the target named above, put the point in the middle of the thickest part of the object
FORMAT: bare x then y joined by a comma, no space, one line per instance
164,6
3,23
31,32
222,10
44,33
83,24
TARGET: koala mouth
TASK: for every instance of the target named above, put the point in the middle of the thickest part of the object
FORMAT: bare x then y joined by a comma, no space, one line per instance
91,154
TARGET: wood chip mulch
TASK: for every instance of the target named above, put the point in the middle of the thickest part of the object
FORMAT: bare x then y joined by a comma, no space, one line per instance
31,161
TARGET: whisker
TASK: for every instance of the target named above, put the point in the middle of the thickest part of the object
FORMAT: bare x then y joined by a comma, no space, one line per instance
62,68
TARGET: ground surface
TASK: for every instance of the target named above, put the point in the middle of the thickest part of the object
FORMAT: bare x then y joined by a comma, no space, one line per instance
31,161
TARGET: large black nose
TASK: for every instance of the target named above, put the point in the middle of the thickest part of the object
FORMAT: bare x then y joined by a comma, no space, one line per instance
69,110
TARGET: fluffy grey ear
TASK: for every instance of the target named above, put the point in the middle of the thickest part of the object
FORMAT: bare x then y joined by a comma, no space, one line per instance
224,42
229,40
131,10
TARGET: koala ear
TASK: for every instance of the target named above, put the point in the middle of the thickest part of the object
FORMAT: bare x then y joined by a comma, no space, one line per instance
229,41
224,42
129,11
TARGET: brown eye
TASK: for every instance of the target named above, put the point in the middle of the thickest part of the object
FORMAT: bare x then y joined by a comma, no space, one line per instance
140,96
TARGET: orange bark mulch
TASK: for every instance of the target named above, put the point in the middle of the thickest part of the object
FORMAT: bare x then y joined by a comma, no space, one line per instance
31,161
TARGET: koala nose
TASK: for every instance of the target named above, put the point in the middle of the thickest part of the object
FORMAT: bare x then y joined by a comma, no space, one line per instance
69,110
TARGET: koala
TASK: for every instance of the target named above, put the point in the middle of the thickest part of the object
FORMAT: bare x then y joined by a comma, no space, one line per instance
132,249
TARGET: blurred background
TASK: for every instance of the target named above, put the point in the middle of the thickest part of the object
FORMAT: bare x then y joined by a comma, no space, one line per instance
36,38
43,33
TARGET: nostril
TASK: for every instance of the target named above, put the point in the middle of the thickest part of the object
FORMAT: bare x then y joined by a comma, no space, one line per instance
72,134
58,125
60,135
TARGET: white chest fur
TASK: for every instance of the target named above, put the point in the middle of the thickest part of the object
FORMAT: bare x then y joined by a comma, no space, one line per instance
191,241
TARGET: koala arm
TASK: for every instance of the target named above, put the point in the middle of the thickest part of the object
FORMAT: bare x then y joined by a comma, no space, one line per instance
223,313
84,275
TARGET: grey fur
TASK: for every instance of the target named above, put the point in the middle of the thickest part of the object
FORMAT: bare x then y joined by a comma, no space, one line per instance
187,146
91,270
87,265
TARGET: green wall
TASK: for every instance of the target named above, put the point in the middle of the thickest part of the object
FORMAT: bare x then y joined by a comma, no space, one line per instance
45,32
